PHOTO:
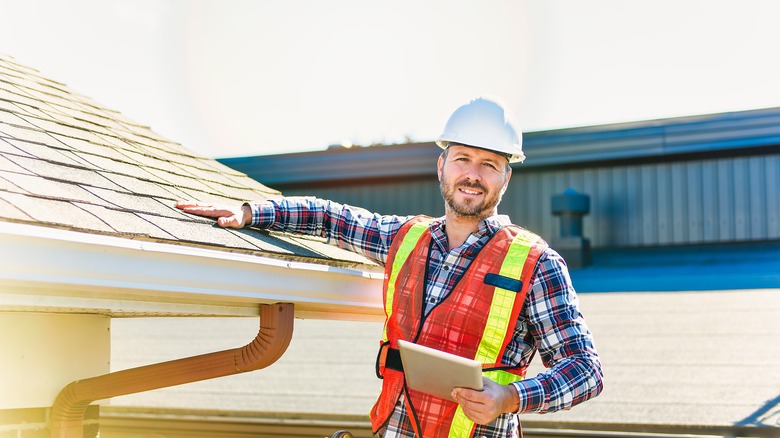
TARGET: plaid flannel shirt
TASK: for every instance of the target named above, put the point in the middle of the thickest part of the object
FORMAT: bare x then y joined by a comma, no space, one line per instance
550,321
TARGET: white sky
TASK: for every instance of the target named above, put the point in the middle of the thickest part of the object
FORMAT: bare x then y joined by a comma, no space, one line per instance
252,77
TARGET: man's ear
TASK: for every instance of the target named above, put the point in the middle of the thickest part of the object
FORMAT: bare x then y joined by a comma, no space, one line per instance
439,165
506,183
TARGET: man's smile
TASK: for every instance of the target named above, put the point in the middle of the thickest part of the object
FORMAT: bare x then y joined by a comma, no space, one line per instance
470,191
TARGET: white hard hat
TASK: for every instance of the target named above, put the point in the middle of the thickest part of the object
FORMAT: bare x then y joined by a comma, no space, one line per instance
484,123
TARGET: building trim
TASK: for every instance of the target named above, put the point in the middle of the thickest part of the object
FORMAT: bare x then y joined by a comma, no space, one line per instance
48,269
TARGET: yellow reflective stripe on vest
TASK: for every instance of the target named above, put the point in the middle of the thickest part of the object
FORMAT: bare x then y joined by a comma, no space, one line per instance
497,325
410,241
498,321
461,425
502,377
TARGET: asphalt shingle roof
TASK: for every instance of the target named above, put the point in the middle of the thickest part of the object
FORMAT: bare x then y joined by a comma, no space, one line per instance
69,162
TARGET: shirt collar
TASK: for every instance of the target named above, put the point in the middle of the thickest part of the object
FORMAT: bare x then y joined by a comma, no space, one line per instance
487,227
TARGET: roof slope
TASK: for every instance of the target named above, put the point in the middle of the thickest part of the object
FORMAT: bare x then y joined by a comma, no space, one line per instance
69,162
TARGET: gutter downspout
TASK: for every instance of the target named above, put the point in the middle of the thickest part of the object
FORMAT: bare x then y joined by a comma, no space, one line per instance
276,327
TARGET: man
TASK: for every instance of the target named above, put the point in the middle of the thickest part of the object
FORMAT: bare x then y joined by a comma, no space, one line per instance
469,283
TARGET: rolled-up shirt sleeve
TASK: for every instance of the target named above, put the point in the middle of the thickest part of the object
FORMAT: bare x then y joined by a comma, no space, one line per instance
564,342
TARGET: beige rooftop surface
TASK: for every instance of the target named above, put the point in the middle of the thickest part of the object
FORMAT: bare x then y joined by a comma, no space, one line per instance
683,362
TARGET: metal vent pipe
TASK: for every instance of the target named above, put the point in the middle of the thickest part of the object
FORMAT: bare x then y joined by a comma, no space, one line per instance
276,327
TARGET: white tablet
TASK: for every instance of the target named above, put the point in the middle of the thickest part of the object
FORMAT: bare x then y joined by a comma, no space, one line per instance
435,372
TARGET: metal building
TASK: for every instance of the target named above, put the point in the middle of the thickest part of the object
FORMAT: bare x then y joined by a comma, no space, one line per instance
688,180
705,184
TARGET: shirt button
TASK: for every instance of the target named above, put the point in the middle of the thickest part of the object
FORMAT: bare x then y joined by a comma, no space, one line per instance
446,267
431,300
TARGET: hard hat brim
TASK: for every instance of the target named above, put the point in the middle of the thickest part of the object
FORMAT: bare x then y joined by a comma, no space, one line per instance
513,158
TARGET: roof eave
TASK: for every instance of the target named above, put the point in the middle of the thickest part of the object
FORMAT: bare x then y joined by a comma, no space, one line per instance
54,270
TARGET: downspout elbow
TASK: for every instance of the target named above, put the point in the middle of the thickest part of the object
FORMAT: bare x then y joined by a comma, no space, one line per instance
272,340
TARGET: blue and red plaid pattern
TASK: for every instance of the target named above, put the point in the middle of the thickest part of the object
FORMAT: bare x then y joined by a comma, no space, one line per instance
550,322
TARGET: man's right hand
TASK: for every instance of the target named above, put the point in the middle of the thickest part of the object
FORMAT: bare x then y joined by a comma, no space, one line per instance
233,217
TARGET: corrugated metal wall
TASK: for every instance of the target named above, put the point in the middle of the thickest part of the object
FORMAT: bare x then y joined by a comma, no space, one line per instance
675,202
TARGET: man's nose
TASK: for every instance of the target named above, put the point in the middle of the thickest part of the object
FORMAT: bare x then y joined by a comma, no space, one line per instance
473,172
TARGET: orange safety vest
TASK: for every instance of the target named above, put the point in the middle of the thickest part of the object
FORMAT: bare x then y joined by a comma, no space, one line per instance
476,320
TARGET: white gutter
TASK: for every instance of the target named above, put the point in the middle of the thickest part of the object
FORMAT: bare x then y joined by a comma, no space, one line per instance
49,269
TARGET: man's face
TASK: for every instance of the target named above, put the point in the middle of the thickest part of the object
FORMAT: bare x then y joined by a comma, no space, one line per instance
472,181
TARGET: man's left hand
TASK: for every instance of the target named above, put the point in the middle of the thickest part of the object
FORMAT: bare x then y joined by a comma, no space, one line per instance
484,406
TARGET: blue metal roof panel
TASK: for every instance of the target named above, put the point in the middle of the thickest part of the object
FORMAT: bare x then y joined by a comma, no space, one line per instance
654,138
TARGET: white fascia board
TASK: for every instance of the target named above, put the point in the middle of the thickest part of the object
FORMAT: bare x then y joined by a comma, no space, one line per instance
48,269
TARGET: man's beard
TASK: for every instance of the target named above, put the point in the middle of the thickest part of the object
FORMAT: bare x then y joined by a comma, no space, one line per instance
469,208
